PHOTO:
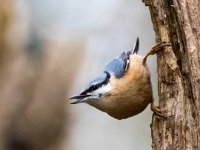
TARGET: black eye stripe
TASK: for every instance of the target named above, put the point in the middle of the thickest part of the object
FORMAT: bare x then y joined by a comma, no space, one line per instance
96,86
91,88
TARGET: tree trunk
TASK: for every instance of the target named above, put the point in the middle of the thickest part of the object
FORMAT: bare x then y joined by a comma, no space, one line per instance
177,22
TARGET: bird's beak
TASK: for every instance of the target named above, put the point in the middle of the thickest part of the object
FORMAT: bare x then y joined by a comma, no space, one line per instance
79,98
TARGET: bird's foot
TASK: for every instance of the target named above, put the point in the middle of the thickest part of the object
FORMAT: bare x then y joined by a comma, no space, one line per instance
155,49
157,111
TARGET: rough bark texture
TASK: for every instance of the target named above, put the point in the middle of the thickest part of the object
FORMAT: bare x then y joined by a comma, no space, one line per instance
177,22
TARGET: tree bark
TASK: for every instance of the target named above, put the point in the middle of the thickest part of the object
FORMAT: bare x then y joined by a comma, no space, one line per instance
177,22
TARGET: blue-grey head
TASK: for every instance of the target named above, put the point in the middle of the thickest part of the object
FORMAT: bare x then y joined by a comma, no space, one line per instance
101,85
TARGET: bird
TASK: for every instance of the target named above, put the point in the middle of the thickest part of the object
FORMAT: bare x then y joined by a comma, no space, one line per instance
123,89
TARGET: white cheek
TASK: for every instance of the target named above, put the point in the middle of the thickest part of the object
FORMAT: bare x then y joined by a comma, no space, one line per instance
103,89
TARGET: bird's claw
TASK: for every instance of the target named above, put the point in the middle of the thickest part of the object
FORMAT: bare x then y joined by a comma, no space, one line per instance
155,49
158,112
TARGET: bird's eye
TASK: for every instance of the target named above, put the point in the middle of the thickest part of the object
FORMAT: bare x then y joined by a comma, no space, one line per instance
94,87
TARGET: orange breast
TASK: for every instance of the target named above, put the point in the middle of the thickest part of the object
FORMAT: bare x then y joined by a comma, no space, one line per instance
130,94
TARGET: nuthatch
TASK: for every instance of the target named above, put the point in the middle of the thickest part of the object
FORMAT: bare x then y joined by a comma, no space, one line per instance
124,88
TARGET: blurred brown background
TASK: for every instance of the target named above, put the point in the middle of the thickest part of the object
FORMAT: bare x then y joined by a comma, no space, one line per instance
49,50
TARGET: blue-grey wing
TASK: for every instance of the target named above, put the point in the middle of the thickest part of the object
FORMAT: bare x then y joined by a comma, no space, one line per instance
118,66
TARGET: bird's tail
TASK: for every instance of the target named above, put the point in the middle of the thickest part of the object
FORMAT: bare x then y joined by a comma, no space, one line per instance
135,50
